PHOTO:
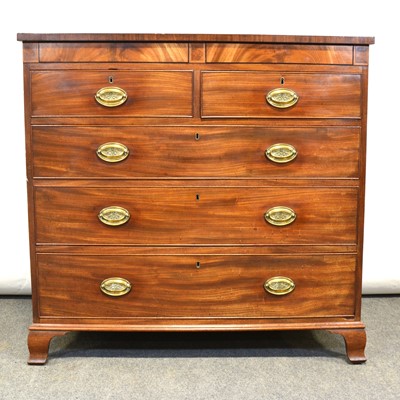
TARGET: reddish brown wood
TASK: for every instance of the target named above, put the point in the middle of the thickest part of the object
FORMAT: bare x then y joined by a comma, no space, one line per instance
31,52
208,286
274,250
159,37
243,95
38,344
195,199
361,198
150,93
278,53
196,216
355,340
271,184
129,66
113,52
197,53
65,151
361,55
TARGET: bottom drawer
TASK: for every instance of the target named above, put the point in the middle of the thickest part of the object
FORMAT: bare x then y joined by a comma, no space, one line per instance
181,286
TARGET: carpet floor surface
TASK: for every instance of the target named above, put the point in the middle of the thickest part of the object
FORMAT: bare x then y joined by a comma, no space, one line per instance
250,366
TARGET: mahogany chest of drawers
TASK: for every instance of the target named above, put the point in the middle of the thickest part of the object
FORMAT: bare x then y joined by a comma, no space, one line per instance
195,182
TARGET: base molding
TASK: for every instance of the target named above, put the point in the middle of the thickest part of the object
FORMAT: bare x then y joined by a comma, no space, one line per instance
40,335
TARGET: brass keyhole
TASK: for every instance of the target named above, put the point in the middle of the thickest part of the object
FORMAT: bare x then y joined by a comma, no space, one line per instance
282,80
197,136
198,264
110,79
197,197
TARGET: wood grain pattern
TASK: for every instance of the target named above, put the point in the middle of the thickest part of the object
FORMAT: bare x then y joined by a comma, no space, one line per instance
355,340
197,52
143,183
167,37
275,250
197,248
361,55
176,216
31,53
172,286
150,93
278,53
242,94
70,152
38,344
113,52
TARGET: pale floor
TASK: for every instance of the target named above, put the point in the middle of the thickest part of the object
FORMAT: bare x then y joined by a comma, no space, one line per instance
272,365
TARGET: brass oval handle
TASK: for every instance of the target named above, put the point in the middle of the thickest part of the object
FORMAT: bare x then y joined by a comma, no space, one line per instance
112,152
282,98
115,286
111,96
280,216
279,285
281,153
114,216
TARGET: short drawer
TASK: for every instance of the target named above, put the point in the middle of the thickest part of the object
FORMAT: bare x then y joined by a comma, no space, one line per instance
76,152
196,286
278,53
113,52
244,95
195,215
144,93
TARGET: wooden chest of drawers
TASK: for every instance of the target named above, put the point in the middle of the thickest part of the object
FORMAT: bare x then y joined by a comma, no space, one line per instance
195,182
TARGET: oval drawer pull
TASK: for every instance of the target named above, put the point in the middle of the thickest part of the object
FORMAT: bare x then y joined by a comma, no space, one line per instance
282,98
279,285
115,286
114,216
281,153
112,152
280,216
111,96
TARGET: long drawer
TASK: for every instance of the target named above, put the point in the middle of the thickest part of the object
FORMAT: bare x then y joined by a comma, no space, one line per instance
196,286
148,93
76,152
196,215
243,94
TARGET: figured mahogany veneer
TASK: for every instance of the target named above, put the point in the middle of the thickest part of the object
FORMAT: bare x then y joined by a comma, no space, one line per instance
150,93
241,94
185,158
206,216
209,286
69,151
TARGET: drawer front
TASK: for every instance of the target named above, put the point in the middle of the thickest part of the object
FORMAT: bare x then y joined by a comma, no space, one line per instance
195,286
149,93
114,52
278,53
197,215
196,151
243,95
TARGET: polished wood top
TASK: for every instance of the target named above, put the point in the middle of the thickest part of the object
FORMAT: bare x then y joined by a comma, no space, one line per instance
139,37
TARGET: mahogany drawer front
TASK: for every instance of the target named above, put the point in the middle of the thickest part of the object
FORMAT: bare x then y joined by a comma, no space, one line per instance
196,286
278,53
149,93
114,52
195,215
243,94
195,151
